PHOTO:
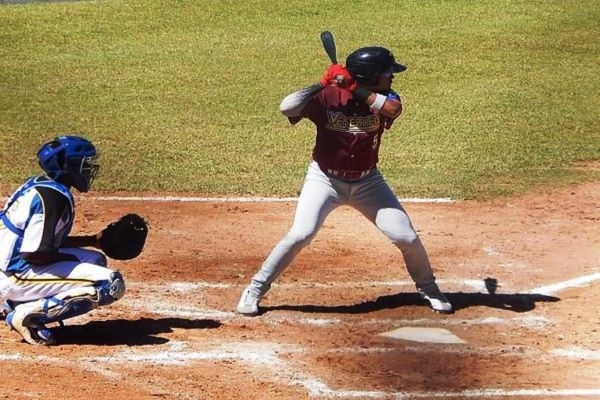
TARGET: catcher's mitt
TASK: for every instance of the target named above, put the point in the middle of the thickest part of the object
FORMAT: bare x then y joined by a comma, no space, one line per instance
124,239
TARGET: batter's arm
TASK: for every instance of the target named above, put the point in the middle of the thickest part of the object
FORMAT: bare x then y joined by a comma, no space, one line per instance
293,104
387,106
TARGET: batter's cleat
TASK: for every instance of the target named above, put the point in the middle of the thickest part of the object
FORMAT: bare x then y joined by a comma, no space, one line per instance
32,333
437,301
248,304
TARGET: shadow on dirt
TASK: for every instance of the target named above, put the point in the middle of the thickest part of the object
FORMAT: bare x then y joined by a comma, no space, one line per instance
138,332
517,302
513,302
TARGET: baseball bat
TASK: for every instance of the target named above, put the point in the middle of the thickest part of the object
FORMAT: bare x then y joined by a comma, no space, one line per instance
329,46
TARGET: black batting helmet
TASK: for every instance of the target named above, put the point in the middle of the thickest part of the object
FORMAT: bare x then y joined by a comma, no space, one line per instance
366,63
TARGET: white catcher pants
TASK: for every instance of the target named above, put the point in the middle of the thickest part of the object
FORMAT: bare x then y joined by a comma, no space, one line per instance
373,197
49,280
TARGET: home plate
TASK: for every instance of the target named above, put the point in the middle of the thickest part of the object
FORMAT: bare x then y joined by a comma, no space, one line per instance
426,335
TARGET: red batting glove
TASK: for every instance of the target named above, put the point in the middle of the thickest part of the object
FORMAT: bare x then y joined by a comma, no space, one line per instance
334,75
346,81
328,78
338,75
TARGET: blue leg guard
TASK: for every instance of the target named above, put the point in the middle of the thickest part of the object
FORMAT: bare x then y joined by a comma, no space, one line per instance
65,305
78,301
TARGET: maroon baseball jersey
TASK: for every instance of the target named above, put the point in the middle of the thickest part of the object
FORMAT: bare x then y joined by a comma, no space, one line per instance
348,131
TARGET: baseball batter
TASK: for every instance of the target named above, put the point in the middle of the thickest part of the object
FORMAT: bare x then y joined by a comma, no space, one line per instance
45,275
350,115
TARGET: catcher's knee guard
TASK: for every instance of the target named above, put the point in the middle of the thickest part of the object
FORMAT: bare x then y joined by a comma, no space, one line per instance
111,290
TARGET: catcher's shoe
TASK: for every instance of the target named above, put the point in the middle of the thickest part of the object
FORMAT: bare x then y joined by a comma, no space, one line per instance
437,301
248,304
31,332
7,307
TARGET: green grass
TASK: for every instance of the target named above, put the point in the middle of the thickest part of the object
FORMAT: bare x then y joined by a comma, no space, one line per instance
501,97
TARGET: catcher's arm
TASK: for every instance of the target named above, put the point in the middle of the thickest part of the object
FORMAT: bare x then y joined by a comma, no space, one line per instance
49,257
123,239
83,241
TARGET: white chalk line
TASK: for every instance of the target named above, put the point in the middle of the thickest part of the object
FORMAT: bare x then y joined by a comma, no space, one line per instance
577,353
476,285
187,199
176,309
161,301
580,281
473,284
265,355
164,305
314,386
255,353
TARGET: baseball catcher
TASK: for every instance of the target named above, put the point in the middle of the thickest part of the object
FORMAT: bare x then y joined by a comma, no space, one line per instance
46,274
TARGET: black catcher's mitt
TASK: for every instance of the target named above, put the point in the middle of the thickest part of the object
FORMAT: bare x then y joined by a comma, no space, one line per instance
124,239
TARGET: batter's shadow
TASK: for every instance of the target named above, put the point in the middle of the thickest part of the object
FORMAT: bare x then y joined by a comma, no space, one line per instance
515,302
137,332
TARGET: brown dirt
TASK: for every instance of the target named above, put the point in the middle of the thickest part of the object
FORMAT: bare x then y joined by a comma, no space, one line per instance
175,336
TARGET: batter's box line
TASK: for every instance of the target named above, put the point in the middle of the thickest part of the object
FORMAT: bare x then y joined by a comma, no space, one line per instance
516,302
266,356
186,199
166,308
480,285
580,281
486,285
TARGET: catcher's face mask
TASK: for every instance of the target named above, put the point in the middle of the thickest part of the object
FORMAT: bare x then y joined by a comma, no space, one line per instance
83,173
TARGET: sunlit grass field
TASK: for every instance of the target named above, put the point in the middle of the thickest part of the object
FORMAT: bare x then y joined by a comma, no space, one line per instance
501,97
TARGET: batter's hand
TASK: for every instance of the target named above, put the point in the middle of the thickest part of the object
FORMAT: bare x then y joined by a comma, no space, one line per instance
337,75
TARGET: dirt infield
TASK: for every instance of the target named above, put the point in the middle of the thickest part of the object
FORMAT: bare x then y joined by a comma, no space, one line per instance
175,335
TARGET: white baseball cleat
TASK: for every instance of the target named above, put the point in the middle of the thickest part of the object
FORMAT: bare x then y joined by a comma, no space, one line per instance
248,304
437,301
32,333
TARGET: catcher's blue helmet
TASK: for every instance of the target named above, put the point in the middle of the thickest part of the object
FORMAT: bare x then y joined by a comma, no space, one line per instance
70,159
366,63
